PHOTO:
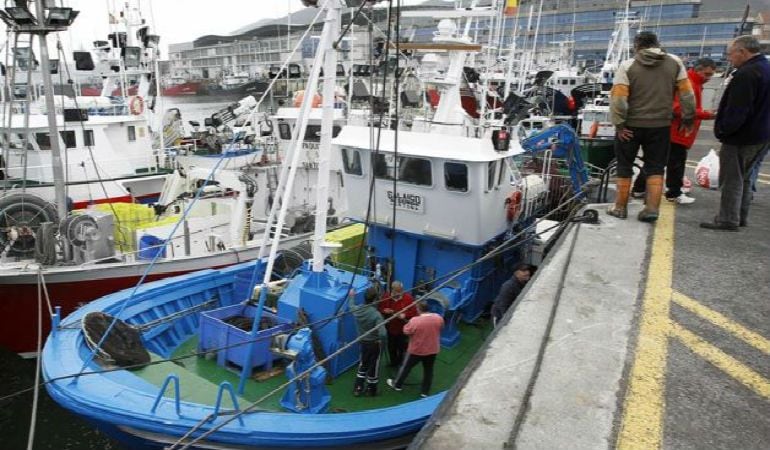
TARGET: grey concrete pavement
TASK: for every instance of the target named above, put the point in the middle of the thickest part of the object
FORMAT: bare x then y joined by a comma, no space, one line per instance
713,384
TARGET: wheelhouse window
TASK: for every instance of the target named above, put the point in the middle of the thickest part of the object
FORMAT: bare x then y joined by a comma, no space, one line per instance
88,138
69,138
491,175
501,173
409,169
456,177
313,132
351,160
43,141
131,133
284,130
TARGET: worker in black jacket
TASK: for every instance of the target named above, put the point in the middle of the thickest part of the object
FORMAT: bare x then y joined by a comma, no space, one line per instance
510,290
743,127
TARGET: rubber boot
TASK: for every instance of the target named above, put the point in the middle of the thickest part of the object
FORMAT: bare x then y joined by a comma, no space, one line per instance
620,208
652,201
371,389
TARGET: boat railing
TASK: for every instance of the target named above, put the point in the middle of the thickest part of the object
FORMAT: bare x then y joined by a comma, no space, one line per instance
78,171
171,377
226,386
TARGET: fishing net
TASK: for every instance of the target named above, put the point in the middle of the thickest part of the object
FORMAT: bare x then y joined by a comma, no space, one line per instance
122,347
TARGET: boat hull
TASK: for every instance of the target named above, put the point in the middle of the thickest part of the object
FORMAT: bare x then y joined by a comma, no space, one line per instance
72,287
121,403
182,89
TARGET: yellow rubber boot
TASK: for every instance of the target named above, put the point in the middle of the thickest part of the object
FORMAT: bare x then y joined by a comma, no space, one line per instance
652,200
620,208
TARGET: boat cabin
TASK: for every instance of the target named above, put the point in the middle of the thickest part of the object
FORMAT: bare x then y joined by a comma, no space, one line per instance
105,135
449,187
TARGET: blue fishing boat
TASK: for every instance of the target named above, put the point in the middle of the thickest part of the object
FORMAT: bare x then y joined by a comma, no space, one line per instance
246,357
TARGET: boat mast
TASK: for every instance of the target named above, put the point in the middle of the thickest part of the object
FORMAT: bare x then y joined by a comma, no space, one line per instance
56,160
324,149
295,147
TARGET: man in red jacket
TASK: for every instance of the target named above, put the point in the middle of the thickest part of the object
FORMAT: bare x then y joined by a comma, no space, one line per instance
681,141
393,303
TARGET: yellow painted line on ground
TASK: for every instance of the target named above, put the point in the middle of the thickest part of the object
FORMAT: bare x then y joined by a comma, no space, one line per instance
750,337
641,425
726,363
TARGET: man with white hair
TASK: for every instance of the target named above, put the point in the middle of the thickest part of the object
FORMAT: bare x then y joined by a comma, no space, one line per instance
743,127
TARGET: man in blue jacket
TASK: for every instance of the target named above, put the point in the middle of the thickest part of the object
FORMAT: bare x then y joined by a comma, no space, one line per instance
743,127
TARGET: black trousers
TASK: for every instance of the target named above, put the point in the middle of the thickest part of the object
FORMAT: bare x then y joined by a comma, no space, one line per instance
397,344
677,161
427,370
368,367
654,141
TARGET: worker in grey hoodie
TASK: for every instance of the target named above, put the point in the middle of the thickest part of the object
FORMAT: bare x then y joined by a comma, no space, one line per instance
641,108
367,317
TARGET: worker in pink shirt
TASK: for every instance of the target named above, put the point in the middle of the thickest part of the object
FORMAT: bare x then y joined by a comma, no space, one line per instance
424,333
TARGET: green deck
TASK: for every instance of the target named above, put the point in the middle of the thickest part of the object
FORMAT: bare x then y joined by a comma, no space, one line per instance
199,377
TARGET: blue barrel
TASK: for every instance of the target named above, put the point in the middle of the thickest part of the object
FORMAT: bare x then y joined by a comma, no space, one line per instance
149,246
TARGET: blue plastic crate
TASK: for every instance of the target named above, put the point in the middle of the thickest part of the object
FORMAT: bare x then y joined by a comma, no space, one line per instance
215,334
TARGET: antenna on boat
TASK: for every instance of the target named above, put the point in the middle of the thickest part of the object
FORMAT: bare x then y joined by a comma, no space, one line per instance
20,20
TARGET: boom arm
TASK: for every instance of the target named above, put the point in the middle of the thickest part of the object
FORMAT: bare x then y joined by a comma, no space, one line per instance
564,143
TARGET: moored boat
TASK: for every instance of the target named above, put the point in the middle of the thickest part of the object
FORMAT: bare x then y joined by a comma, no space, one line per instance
447,212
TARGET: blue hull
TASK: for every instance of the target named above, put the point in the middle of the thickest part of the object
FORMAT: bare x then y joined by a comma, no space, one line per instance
120,402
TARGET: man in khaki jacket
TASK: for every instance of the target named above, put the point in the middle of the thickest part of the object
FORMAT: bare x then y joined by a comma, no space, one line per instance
641,108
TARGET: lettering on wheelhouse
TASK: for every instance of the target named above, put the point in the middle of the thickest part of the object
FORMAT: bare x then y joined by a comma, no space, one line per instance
407,202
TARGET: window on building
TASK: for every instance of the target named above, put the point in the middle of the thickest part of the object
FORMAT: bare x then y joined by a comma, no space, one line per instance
88,138
43,141
410,170
68,137
456,176
352,161
131,133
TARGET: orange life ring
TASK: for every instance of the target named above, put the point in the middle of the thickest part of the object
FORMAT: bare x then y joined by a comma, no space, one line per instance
513,205
136,105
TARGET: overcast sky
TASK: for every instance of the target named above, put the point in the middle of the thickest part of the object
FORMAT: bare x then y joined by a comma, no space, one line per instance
181,20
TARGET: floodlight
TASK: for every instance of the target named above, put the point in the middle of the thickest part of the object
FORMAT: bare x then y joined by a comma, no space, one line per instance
20,16
151,41
62,17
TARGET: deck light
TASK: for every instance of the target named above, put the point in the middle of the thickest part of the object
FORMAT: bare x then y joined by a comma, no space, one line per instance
20,16
62,17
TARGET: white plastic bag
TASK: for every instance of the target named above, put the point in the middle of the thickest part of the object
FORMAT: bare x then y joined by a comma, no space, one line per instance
707,171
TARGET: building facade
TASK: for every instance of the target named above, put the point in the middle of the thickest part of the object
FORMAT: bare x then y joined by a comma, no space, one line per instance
687,28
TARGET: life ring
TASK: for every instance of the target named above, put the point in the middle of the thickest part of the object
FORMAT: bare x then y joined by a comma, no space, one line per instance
136,105
513,206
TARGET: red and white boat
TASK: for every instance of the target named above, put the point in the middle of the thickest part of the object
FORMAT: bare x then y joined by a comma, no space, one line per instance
179,86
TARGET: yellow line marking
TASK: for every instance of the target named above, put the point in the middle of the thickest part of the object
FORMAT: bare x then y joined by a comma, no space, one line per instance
641,425
752,338
726,363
